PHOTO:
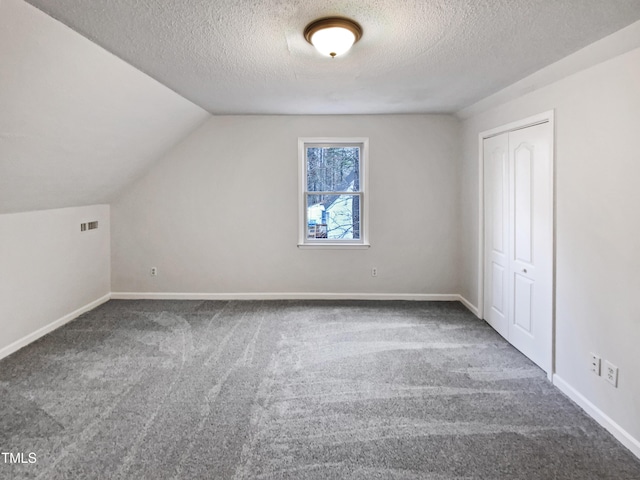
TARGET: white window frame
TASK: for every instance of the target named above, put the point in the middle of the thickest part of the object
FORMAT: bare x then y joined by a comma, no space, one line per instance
363,143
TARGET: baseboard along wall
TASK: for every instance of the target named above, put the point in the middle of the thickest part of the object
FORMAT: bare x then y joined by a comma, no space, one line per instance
624,437
422,297
32,337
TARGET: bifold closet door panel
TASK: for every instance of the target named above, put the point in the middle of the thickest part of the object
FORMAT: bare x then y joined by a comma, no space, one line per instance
531,242
496,240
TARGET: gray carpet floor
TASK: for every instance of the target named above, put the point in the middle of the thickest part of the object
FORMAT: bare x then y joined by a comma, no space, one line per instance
291,390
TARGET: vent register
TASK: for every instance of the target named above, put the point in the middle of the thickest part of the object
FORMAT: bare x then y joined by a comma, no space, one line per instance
88,226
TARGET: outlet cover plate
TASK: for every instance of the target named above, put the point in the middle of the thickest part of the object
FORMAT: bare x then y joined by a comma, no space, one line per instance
611,373
595,364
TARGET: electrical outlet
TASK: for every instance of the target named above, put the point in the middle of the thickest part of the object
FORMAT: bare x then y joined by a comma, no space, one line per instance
154,272
374,272
595,364
611,373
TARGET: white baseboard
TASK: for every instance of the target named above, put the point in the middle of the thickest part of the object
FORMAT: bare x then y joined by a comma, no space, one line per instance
624,437
32,337
472,308
284,296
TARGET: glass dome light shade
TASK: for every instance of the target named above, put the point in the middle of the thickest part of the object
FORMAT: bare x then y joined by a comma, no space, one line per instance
333,41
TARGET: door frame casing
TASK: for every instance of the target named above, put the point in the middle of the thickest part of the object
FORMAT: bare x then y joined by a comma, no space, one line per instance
545,117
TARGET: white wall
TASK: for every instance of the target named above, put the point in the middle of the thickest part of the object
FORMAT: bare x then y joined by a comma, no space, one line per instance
598,228
219,213
49,269
76,123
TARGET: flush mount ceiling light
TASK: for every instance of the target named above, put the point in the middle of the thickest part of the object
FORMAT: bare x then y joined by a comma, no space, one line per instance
333,35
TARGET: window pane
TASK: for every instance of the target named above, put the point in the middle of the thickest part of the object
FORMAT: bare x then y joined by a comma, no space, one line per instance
334,217
333,169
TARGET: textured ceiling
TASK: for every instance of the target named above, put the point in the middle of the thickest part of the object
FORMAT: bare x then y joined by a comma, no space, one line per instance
416,56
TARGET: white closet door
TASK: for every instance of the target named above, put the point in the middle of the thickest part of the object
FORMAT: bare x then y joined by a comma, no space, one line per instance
518,273
496,233
531,242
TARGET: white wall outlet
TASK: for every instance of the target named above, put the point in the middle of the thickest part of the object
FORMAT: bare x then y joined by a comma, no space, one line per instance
154,272
595,364
611,373
374,272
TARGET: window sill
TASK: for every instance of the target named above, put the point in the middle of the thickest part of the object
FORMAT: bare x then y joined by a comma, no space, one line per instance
334,246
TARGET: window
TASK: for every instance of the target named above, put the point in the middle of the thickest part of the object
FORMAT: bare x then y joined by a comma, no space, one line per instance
333,196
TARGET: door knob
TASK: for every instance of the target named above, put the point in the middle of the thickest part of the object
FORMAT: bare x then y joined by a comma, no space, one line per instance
524,270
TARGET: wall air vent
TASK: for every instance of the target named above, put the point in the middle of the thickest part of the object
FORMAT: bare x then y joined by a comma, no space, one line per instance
83,227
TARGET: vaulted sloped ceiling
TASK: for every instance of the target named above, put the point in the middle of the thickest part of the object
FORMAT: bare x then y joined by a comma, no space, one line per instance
77,123
415,56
